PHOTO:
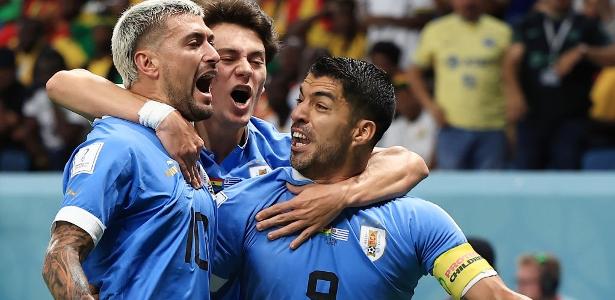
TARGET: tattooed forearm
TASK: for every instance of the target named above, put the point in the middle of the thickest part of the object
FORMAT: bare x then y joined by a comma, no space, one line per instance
68,247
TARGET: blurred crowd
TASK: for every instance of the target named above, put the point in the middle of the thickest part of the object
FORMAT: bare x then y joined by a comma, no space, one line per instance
480,84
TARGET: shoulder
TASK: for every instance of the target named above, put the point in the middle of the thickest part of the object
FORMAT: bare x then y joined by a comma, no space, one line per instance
440,24
267,131
263,186
131,134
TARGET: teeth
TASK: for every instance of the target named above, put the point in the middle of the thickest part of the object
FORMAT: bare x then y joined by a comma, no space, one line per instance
299,135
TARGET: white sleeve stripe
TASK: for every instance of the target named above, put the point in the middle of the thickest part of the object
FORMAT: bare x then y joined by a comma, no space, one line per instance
478,277
82,219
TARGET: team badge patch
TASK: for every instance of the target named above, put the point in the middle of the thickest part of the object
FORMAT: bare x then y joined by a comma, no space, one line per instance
259,170
373,242
85,159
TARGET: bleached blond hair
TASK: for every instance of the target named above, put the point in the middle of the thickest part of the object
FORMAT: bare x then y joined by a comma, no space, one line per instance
138,22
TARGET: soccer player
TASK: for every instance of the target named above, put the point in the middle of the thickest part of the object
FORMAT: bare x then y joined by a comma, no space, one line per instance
373,252
130,226
239,146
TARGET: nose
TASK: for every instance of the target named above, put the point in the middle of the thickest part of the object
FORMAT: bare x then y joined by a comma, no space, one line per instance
300,112
244,69
211,55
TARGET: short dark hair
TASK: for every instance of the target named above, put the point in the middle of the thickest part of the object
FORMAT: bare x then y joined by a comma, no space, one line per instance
246,14
388,49
367,89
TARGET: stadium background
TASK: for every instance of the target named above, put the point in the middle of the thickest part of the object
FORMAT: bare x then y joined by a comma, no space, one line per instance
566,213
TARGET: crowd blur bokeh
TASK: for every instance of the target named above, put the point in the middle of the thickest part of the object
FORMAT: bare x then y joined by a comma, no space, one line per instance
480,84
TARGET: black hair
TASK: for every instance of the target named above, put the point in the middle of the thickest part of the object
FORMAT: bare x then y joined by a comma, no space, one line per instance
367,89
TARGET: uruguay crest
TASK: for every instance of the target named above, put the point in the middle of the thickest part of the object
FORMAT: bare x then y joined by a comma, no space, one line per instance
373,242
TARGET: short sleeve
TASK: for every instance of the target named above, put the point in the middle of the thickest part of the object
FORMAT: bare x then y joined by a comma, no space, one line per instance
434,232
96,182
425,52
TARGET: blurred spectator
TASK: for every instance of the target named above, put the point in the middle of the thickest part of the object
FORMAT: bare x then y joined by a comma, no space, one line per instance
465,49
345,37
13,155
539,276
60,130
102,61
413,127
517,9
397,21
287,12
549,74
30,41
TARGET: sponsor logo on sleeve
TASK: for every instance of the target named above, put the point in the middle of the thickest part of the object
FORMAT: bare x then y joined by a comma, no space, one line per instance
85,159
373,242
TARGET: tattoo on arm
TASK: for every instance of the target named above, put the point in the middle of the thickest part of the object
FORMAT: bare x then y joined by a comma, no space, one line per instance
62,271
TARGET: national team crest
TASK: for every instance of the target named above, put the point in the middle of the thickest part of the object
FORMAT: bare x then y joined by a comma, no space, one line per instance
373,242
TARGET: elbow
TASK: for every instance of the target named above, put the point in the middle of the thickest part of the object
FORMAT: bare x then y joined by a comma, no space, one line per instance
417,169
54,84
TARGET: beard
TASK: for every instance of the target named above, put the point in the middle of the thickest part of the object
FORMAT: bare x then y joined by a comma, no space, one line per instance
183,100
326,158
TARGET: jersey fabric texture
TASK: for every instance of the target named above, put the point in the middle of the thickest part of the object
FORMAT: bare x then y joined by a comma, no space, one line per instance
154,234
380,251
265,149
467,59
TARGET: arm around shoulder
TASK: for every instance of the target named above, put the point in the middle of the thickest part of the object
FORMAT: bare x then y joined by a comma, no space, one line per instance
93,96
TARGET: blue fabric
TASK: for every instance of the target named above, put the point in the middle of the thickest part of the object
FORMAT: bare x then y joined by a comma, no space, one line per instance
407,235
157,226
550,144
461,149
266,149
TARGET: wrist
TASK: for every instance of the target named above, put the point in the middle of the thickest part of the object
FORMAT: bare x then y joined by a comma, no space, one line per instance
152,113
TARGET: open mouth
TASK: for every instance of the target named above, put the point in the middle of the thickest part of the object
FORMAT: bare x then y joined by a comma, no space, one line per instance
299,139
203,83
241,94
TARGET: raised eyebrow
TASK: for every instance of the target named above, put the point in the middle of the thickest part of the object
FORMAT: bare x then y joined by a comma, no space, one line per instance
324,94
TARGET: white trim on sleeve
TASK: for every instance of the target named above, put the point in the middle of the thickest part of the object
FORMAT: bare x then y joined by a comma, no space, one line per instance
478,277
82,219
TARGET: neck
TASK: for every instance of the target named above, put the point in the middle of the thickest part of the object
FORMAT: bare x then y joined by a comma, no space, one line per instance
354,164
225,139
555,13
149,90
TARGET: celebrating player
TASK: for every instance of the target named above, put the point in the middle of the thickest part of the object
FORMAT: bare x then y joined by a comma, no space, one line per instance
129,225
373,252
239,146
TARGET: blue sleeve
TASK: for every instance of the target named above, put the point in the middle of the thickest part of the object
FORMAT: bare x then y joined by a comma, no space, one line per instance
273,145
96,182
434,232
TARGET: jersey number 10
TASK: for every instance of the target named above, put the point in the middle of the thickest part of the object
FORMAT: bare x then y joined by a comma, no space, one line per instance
193,235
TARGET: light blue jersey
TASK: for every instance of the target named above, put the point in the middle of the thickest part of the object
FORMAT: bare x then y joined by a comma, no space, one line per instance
376,252
265,149
153,232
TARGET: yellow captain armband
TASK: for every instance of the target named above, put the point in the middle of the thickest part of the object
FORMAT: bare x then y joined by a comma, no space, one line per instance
459,268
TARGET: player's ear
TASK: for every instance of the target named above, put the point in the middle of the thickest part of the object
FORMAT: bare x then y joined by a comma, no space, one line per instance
363,132
147,63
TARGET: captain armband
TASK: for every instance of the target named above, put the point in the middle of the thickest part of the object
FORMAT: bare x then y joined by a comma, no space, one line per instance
459,268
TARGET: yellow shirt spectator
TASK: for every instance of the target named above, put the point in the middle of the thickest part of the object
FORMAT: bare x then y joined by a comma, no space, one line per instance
467,59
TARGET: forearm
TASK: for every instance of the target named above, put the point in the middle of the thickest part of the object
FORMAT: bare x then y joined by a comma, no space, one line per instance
602,56
390,173
93,96
62,270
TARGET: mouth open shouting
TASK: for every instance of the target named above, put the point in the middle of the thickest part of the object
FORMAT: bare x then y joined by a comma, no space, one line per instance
203,85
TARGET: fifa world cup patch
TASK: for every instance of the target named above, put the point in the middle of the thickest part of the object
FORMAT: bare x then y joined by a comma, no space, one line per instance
373,242
85,159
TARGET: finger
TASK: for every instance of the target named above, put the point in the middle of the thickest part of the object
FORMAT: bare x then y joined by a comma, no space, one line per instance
273,211
184,169
286,230
196,175
296,189
277,220
304,236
